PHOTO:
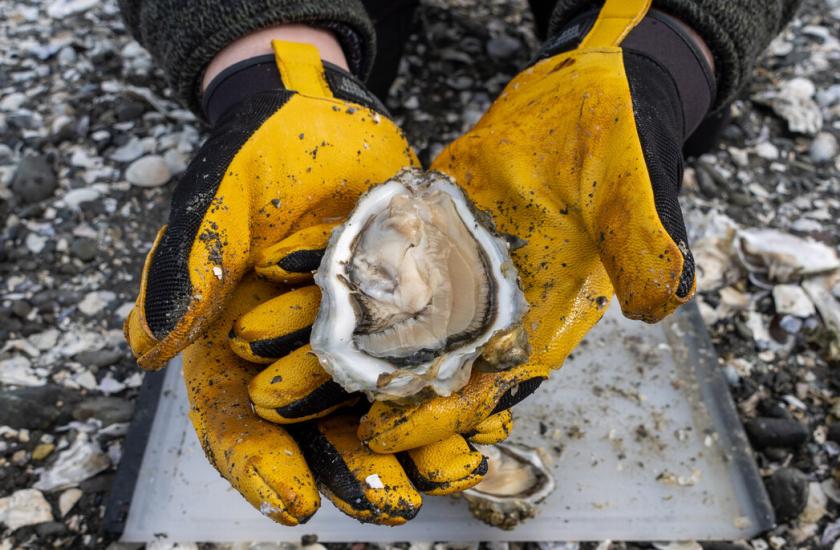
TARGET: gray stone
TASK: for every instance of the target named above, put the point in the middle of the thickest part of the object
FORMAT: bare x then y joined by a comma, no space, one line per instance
775,432
503,47
36,408
34,179
99,358
84,249
788,491
109,410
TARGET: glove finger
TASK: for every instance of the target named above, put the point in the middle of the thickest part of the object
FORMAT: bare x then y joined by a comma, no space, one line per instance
493,429
293,259
277,327
259,459
365,485
444,467
642,236
295,389
390,428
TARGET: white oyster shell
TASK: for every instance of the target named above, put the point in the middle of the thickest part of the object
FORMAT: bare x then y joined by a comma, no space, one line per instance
516,483
416,285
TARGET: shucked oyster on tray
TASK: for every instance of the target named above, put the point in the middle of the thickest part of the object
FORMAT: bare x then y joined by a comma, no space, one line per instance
417,287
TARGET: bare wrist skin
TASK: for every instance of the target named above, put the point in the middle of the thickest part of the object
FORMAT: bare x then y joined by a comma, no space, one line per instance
259,43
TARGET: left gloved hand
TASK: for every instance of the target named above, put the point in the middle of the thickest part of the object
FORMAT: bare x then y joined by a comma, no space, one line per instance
580,157
279,469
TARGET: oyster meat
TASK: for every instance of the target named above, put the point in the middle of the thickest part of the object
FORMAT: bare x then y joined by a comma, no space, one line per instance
416,286
516,483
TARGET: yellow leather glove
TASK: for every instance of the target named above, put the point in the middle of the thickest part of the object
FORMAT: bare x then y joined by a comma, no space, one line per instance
276,161
277,468
580,157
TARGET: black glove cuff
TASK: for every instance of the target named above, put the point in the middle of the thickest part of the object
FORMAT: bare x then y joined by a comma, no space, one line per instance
661,38
260,74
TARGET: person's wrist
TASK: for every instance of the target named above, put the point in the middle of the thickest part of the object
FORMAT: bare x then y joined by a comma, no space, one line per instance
258,43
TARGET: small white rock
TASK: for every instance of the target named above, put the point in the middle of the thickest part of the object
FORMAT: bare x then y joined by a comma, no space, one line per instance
792,300
25,507
95,301
150,171
68,499
76,197
766,150
823,148
35,243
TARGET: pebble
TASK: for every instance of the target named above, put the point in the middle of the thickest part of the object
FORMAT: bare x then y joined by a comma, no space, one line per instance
95,301
788,492
149,171
129,152
84,249
36,408
67,500
792,300
59,9
34,179
76,197
35,243
25,507
824,148
42,451
775,432
503,47
99,358
766,150
815,506
109,410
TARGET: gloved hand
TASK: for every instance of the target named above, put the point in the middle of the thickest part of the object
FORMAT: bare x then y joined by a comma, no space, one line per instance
292,156
279,469
580,156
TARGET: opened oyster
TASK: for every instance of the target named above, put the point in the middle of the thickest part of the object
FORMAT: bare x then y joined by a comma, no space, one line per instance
416,286
517,481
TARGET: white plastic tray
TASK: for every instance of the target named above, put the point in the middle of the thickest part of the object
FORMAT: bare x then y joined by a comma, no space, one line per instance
644,438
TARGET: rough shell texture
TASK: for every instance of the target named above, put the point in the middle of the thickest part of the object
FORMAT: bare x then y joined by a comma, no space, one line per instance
517,482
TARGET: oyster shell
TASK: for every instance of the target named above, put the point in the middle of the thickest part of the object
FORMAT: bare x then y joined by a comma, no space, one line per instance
416,286
516,483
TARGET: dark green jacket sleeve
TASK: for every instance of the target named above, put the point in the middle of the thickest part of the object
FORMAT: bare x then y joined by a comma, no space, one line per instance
736,31
184,35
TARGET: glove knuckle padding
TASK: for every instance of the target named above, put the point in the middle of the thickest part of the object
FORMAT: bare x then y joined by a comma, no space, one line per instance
444,467
277,327
343,467
295,389
293,259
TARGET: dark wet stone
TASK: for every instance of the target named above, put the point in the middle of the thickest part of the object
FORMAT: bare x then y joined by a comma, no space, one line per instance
97,484
109,410
99,358
50,529
84,249
36,408
34,179
833,432
775,432
788,491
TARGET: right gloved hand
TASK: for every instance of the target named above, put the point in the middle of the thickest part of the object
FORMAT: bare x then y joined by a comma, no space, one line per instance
277,161
279,469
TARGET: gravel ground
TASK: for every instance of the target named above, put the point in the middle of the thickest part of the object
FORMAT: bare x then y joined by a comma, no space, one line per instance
91,140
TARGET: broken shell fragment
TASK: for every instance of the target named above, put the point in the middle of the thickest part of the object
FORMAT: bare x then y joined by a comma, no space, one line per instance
516,483
416,287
